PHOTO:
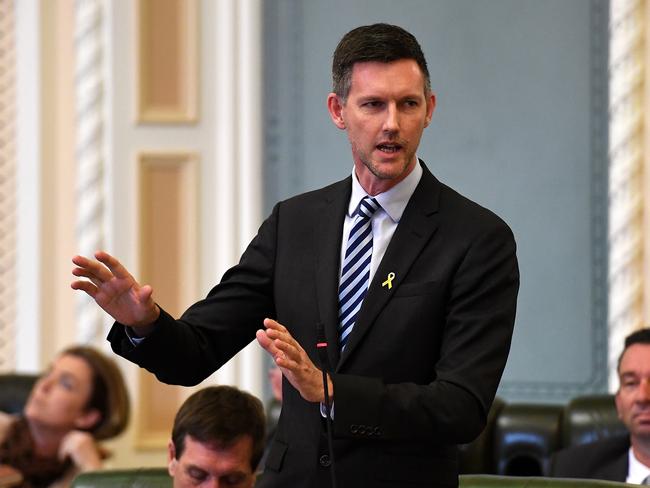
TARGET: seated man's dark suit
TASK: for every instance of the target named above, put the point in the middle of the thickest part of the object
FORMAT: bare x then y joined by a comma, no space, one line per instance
422,364
606,459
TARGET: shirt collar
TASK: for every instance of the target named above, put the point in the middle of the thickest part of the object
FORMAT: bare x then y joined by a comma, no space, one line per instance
637,471
393,201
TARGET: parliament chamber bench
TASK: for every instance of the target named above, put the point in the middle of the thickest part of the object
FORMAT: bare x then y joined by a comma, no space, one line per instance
518,440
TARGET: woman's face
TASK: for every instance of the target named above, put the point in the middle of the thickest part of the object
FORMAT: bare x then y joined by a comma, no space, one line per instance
59,397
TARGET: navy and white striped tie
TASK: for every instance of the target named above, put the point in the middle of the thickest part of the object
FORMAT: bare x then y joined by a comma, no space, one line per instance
355,273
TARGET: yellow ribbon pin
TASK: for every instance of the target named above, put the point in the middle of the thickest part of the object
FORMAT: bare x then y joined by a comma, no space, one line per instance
389,280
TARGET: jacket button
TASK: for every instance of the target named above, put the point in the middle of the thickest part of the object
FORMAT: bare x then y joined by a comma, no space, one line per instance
325,461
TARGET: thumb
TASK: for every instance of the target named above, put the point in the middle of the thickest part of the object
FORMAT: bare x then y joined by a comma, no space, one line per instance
144,293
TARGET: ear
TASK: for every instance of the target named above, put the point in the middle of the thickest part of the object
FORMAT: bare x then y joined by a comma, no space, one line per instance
617,400
431,106
171,459
335,108
88,419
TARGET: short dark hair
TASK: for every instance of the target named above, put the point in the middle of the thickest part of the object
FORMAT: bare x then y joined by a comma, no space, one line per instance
376,42
641,336
219,416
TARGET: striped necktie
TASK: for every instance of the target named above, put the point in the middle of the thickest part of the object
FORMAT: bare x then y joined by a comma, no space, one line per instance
355,273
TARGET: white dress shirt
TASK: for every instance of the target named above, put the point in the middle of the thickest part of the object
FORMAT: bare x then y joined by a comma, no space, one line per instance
636,471
385,219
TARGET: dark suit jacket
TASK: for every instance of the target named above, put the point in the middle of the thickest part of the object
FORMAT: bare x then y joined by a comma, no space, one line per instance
422,363
606,459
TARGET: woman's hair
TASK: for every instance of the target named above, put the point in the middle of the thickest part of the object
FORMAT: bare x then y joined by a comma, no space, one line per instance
108,392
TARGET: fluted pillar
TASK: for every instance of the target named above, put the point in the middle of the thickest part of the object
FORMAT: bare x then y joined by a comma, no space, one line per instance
626,83
89,95
7,187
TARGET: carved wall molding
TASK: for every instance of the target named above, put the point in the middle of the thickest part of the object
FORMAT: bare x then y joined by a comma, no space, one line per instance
89,94
625,236
7,186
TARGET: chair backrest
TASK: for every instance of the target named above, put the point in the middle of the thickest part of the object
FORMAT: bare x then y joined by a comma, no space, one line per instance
488,481
14,390
590,418
124,478
476,457
524,437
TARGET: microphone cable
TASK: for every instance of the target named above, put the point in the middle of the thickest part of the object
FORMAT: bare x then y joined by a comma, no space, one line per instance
321,348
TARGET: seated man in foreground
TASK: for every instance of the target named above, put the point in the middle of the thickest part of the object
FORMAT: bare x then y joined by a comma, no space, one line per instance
217,439
621,458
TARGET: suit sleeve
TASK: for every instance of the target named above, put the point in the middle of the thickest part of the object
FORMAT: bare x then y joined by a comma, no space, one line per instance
475,341
213,330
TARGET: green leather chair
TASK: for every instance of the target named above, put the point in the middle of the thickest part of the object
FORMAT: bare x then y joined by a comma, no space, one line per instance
14,390
158,478
494,481
124,478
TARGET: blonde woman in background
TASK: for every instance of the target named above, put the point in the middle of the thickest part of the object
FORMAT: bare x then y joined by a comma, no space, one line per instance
80,400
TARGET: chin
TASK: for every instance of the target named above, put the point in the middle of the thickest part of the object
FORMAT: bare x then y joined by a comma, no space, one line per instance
30,412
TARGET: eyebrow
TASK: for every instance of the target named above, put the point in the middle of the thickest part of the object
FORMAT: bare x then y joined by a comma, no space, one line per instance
628,374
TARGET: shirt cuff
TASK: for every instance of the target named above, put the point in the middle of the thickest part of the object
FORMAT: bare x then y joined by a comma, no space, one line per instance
323,410
136,341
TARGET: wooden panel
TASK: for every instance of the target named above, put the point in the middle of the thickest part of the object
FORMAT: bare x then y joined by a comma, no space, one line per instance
168,36
168,257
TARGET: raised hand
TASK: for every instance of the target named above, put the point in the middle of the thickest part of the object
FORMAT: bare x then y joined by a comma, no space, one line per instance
116,291
294,362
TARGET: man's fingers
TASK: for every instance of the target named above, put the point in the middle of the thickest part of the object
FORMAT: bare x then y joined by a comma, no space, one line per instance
265,342
113,264
84,273
91,268
282,353
274,325
289,349
86,286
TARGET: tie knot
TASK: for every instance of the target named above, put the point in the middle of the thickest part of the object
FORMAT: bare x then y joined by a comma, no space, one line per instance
367,207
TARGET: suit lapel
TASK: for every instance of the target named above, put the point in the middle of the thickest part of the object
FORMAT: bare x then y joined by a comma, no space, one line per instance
620,466
414,230
327,243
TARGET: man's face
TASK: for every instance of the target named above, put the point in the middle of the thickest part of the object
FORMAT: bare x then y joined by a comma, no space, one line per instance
212,466
633,396
384,115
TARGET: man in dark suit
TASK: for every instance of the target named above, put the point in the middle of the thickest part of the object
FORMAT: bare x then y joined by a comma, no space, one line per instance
412,287
620,458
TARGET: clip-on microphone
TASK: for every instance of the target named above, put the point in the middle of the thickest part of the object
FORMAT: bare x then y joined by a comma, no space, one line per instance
321,348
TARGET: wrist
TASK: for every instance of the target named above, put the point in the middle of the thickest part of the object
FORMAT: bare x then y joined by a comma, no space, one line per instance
146,326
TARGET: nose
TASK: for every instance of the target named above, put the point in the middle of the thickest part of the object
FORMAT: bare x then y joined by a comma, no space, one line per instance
44,383
391,122
644,390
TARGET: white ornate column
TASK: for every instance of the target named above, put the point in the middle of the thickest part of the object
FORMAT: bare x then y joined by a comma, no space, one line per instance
626,83
7,187
89,95
239,187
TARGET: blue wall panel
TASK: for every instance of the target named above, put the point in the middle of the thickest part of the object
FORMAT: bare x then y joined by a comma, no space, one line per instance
520,127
